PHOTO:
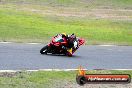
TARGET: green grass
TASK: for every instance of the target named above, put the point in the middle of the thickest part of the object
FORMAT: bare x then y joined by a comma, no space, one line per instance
41,79
45,79
25,26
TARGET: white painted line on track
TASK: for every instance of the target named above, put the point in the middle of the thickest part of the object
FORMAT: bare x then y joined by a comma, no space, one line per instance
57,70
18,43
32,70
106,45
5,42
33,43
9,70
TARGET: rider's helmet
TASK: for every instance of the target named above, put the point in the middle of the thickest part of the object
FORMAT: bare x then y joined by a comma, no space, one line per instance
64,35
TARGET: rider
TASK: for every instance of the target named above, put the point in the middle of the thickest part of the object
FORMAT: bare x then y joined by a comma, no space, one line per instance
68,40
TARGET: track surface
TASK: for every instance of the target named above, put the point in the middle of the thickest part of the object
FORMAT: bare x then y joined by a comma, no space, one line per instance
15,56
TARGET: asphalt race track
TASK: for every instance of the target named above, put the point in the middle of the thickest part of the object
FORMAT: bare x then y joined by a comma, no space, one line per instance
18,56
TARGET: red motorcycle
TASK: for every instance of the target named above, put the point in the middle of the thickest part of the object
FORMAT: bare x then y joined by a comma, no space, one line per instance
56,46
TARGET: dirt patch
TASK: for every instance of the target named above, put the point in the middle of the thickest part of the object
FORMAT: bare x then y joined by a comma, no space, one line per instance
70,84
118,14
8,74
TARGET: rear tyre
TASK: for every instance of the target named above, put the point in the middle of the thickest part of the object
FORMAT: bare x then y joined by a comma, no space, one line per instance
44,50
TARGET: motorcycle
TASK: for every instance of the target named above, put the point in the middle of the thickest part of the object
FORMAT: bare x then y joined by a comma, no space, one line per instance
56,46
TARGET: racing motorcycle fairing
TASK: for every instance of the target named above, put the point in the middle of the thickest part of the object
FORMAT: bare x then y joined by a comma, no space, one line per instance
56,44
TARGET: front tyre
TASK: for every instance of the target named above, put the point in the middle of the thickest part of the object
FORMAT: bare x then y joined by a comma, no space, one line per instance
44,50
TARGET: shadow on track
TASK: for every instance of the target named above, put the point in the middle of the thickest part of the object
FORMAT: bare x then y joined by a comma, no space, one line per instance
63,56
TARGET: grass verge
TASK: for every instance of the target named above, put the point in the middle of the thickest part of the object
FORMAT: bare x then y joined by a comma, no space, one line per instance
26,23
46,79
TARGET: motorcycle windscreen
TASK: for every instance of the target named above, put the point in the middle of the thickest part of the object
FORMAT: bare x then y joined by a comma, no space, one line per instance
59,39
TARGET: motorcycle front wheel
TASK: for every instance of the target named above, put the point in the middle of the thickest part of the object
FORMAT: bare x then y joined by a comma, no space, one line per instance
44,50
